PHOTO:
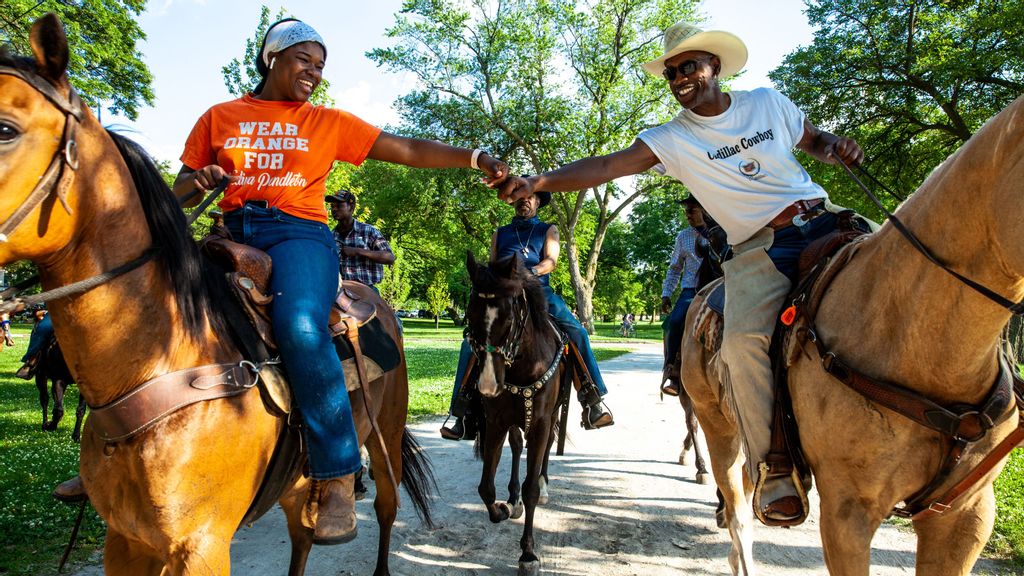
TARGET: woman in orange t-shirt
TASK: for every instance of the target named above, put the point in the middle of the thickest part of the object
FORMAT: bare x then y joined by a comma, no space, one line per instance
277,149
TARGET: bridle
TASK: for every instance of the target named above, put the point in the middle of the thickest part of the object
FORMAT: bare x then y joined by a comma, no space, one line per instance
52,180
508,351
55,180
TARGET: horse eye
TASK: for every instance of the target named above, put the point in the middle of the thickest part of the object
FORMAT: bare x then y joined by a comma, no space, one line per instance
8,133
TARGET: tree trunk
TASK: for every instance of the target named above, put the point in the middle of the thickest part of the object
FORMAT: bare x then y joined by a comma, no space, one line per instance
584,293
437,321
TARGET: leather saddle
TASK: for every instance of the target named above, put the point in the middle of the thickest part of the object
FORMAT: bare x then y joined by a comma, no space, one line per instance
247,271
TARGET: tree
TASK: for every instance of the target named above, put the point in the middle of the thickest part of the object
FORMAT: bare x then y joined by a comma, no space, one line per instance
911,80
438,297
542,82
241,77
395,286
105,64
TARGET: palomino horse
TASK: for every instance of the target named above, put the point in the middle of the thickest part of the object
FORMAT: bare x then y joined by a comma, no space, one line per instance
520,353
894,316
174,494
52,367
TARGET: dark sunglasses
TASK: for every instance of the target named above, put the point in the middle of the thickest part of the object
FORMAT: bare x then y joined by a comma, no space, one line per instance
685,68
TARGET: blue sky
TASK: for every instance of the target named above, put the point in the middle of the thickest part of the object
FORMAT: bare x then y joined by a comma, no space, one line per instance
190,40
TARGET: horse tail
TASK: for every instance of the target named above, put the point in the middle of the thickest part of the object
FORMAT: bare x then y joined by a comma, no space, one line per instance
418,477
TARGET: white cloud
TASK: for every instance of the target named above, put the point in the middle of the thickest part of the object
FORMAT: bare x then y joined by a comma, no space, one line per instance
367,102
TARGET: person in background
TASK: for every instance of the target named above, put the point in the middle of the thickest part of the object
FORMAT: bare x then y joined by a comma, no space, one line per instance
536,243
682,271
364,250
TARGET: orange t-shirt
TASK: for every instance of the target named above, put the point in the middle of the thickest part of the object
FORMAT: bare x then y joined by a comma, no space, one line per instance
280,151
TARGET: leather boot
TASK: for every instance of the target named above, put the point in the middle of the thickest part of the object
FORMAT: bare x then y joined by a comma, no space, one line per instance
71,491
28,369
595,413
330,510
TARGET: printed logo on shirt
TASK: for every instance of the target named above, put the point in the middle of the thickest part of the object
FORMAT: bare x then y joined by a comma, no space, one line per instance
743,144
750,168
263,145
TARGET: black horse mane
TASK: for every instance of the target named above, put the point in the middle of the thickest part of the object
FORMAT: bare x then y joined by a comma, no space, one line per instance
194,291
488,280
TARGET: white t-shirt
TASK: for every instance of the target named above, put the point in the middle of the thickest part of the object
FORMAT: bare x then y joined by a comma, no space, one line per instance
739,164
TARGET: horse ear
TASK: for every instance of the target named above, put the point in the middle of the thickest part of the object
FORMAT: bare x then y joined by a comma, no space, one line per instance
514,265
471,265
50,46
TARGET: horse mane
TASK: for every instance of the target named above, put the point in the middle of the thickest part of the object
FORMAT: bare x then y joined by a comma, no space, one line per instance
194,291
506,287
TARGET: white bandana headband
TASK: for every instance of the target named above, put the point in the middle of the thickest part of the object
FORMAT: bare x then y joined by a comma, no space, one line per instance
288,34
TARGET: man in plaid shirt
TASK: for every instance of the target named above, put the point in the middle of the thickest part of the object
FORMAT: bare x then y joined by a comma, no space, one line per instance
362,248
683,272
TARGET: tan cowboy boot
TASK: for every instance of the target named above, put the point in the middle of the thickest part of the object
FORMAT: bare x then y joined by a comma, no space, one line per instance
330,510
71,491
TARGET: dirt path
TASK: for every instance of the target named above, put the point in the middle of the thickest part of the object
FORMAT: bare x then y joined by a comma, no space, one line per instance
620,506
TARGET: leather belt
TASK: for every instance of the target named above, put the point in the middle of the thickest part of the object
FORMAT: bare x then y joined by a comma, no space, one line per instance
785,218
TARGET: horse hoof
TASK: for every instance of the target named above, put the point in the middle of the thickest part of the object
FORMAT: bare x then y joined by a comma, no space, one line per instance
529,568
518,510
684,458
720,518
703,478
504,512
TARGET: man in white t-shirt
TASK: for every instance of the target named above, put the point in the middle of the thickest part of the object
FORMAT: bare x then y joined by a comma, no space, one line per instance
734,151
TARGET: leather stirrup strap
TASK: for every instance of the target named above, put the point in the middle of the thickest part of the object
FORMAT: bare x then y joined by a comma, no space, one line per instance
352,333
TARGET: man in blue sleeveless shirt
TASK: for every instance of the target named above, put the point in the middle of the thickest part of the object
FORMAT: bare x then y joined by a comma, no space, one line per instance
536,244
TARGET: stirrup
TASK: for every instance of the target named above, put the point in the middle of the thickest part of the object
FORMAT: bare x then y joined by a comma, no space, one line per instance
786,511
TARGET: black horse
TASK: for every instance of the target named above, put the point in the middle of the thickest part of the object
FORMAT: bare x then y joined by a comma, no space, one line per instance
52,367
519,354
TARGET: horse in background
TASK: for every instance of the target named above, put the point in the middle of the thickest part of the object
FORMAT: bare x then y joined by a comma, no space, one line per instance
894,316
520,354
173,494
51,367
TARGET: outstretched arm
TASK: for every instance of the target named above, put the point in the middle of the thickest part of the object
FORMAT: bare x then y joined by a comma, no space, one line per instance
825,146
582,174
550,254
420,153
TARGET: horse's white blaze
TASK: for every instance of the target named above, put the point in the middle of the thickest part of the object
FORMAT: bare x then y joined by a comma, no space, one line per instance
488,384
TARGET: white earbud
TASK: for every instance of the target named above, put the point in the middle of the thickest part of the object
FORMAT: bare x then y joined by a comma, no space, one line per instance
272,60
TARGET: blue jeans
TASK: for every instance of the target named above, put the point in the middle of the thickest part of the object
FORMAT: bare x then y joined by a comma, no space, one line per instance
568,323
674,324
304,283
40,335
791,241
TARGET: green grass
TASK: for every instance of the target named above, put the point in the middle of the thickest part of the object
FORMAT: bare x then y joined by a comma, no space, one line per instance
33,526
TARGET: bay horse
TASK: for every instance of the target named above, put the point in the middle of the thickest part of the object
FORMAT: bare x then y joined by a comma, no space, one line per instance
894,316
52,368
519,352
173,495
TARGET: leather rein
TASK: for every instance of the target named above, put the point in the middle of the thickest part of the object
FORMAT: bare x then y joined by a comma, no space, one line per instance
509,351
55,180
960,424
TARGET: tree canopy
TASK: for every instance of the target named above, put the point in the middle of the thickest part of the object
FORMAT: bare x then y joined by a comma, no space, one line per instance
105,64
540,83
910,80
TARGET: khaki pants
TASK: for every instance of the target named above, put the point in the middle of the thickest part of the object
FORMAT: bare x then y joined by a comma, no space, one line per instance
754,293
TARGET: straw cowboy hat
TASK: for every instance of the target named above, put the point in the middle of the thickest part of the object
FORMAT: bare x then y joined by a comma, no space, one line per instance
683,37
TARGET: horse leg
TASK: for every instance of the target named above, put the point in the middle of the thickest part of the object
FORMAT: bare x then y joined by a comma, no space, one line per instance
385,504
726,456
692,437
59,386
44,396
301,537
949,545
542,480
492,441
124,557
76,435
847,528
515,498
537,447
